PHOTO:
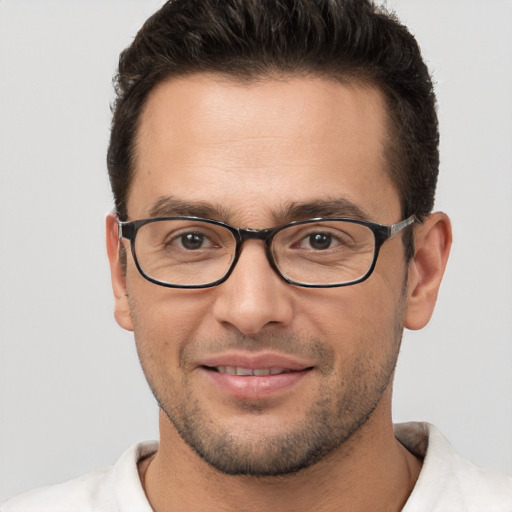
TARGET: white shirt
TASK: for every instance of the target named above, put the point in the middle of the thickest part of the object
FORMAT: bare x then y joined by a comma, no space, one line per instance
447,482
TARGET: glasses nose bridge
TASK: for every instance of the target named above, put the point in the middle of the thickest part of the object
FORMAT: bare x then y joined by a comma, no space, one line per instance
265,235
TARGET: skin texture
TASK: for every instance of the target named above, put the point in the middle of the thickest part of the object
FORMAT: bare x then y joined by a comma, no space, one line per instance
245,154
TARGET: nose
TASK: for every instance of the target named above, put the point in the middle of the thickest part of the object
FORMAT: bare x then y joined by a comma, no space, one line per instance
254,297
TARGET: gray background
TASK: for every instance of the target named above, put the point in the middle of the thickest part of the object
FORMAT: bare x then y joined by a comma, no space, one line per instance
72,396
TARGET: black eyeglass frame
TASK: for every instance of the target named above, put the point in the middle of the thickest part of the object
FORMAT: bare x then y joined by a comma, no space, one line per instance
128,231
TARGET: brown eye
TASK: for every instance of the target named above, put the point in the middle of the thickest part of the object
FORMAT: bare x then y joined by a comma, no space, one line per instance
320,241
192,241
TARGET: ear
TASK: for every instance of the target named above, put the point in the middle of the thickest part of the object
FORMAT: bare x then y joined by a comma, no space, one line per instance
432,242
121,306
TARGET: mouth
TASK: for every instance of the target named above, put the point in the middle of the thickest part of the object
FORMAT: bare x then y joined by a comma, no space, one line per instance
247,372
249,377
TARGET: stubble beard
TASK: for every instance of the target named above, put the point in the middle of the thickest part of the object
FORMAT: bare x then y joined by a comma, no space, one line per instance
340,412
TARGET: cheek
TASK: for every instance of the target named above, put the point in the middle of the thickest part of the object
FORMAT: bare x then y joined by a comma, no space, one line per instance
363,319
165,318
353,309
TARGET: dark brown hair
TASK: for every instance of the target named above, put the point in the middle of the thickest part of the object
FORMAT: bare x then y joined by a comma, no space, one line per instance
344,40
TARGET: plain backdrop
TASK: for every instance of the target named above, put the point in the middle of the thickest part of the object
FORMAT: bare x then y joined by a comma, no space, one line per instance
72,396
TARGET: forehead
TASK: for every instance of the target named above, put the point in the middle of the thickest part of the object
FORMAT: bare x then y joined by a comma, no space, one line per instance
259,146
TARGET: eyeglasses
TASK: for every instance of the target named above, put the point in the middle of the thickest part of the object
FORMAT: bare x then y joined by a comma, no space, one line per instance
192,252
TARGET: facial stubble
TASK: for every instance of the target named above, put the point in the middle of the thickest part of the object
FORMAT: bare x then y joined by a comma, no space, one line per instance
345,403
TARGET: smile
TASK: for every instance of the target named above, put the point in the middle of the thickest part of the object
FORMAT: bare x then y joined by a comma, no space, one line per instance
251,382
237,370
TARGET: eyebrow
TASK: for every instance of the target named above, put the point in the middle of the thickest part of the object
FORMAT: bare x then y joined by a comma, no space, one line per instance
335,207
171,206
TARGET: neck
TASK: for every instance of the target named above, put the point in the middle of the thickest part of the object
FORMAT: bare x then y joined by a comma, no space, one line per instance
371,471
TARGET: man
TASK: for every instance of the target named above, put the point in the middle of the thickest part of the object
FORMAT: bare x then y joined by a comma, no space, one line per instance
274,168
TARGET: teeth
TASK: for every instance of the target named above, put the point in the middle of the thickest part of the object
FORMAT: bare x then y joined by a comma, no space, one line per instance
237,370
263,371
244,371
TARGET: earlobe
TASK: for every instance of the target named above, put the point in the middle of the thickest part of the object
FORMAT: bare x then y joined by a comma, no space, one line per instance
121,305
432,241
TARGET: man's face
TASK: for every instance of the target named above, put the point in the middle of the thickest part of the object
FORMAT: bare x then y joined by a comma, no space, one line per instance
244,154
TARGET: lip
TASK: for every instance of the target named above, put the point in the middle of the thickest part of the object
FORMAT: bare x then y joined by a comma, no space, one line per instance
256,360
254,387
